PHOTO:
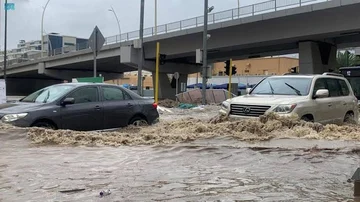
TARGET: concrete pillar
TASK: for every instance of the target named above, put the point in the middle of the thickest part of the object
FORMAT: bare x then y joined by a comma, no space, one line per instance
316,57
167,88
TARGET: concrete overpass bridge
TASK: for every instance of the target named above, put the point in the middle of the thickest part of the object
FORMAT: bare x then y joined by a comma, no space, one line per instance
315,31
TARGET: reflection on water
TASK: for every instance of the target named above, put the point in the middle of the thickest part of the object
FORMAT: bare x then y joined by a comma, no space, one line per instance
182,160
216,169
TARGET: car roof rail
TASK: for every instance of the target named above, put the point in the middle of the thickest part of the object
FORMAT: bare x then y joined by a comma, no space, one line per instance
332,74
291,74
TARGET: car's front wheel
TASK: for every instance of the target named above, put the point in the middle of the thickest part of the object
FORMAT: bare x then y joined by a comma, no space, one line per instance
307,118
138,121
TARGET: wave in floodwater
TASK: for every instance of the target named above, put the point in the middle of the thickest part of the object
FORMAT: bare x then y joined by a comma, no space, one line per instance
266,128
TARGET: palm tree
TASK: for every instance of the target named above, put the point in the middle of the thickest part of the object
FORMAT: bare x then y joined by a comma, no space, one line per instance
347,59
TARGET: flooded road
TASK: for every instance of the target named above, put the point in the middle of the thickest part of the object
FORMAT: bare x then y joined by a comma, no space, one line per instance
216,168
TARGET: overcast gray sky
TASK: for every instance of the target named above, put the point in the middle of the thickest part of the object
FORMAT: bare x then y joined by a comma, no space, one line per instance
79,17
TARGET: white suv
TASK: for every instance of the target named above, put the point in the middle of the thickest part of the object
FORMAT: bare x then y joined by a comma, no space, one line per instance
326,98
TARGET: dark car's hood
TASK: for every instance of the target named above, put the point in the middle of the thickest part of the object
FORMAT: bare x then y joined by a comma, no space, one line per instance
19,107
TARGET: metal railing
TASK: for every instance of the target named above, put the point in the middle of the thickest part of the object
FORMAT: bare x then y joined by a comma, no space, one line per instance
227,15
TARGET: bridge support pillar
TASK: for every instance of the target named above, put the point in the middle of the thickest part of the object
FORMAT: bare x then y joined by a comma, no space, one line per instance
316,57
167,85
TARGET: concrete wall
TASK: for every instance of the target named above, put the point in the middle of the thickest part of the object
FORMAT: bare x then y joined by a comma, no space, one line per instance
224,79
132,80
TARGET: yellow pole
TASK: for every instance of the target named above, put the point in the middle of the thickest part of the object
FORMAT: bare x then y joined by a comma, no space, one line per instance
230,74
157,72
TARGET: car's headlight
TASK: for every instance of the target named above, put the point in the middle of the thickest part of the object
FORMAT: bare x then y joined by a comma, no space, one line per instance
285,109
13,117
225,105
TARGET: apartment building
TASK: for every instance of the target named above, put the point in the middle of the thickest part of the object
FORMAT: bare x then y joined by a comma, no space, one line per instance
54,44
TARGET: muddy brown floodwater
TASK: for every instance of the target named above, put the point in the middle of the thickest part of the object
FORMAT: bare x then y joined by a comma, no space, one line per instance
187,157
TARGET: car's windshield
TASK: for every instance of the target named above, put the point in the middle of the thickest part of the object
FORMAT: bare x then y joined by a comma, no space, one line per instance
283,86
48,94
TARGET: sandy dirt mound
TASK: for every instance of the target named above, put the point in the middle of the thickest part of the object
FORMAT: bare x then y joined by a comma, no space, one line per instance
266,128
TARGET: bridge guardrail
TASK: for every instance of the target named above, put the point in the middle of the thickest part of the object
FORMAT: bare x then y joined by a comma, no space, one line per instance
236,13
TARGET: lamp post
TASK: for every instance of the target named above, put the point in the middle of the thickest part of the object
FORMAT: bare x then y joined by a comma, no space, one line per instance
118,23
5,42
207,10
239,8
42,29
141,60
155,17
117,20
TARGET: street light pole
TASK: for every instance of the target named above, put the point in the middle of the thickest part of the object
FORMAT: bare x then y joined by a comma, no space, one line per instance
239,8
155,17
206,11
42,29
117,20
118,23
5,42
140,67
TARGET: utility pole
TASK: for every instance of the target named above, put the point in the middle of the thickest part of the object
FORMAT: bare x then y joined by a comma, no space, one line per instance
155,17
5,42
157,73
42,29
206,11
140,67
95,52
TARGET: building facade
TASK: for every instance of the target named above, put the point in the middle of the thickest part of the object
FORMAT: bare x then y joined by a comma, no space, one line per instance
54,44
257,68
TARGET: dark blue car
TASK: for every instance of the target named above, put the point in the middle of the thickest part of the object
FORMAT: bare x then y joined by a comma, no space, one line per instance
80,106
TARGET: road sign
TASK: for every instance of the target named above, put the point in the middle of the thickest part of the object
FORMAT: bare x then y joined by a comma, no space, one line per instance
96,40
176,75
10,6
199,56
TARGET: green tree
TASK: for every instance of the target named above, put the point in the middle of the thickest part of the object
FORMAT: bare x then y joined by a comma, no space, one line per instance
347,59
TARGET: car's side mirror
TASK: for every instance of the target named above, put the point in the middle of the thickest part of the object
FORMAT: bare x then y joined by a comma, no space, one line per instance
68,101
322,93
248,90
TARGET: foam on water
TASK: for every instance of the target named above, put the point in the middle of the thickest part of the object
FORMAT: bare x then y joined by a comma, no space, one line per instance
266,128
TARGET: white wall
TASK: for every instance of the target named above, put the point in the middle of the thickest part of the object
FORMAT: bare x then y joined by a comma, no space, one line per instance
69,39
225,79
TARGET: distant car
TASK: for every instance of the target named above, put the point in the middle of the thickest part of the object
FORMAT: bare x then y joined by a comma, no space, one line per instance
326,98
80,106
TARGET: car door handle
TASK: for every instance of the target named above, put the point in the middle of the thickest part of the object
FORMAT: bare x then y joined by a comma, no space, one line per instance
129,105
329,105
97,108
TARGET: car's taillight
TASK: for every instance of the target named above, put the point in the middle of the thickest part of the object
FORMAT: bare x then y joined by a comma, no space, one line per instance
155,105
